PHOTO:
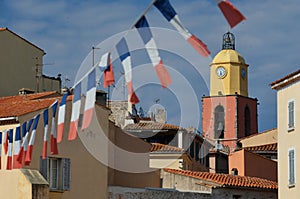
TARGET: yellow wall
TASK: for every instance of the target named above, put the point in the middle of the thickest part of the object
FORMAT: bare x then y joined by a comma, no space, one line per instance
232,82
89,177
14,185
288,139
267,137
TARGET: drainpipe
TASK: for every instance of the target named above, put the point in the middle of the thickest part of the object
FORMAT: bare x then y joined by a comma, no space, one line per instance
237,117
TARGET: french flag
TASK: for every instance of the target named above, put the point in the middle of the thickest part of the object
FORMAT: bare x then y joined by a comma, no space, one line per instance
75,112
9,151
31,141
230,12
5,141
61,117
170,14
89,100
45,114
125,57
146,35
0,148
17,148
104,62
53,135
24,146
105,65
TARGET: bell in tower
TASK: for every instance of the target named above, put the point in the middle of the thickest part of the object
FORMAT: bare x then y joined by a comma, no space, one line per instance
228,41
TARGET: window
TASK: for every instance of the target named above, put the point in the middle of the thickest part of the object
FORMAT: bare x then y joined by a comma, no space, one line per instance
57,172
219,122
234,171
197,151
192,149
291,167
291,115
247,121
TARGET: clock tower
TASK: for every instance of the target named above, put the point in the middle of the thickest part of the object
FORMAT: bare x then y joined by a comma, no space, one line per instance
228,114
228,70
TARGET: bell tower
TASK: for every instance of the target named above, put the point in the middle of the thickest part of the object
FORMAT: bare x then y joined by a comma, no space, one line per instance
228,114
228,70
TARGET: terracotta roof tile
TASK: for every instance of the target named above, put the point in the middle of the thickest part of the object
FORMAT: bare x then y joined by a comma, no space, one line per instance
288,79
18,105
151,126
267,147
157,147
228,180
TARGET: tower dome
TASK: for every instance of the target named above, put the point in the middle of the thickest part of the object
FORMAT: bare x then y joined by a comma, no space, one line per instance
228,54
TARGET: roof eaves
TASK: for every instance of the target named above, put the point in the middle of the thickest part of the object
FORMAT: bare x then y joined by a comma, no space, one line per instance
290,78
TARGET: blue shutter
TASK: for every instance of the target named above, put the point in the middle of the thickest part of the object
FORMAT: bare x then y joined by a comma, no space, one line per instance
291,114
291,167
44,168
66,172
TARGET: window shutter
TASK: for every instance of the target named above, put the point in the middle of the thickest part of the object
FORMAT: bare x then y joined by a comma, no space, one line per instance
197,150
192,149
44,168
66,165
291,167
291,114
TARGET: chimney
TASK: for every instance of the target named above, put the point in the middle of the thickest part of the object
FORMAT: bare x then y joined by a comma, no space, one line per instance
160,115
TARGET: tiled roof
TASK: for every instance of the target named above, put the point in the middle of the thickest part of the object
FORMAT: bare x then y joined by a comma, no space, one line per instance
288,79
162,148
227,180
151,126
267,147
18,105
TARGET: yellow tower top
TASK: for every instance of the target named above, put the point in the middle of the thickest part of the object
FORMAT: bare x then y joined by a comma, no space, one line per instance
228,70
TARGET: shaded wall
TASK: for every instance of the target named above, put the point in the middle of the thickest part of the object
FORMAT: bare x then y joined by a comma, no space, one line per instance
251,164
129,159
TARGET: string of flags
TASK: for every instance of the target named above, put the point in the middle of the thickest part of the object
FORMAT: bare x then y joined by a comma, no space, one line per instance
18,146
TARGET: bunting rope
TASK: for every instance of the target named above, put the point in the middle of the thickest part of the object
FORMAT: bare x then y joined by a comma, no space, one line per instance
23,149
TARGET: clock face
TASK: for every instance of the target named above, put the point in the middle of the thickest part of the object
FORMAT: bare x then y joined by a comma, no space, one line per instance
221,72
243,73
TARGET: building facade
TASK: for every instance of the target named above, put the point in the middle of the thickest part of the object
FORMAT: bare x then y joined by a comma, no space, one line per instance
85,167
21,66
288,113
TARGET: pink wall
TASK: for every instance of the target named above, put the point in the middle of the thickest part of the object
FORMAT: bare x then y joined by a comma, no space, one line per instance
251,164
234,106
252,104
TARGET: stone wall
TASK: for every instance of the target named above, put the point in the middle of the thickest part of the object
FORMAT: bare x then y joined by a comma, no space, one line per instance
243,193
119,111
155,194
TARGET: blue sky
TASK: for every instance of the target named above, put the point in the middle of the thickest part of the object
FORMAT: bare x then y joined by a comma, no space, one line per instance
66,30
